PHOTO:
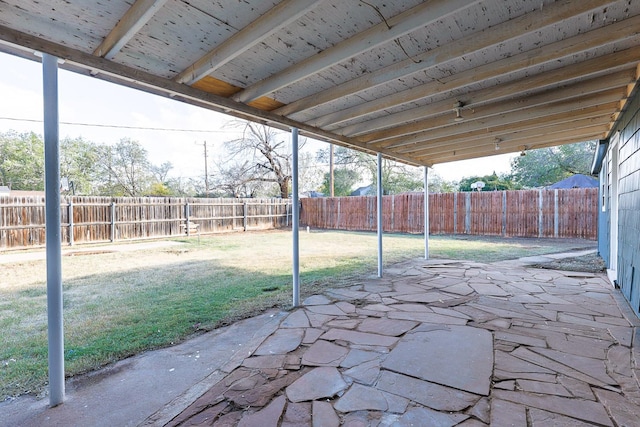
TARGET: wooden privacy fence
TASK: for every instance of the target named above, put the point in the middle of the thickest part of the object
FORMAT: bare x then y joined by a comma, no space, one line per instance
526,213
106,219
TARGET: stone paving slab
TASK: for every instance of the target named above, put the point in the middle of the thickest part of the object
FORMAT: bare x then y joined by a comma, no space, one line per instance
443,343
453,344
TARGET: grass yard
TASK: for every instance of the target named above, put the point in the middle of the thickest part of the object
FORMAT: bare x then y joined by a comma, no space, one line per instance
121,303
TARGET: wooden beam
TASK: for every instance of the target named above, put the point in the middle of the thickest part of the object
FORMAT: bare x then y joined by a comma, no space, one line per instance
531,22
447,136
533,145
609,62
513,132
133,20
87,64
517,139
439,127
380,34
485,104
284,13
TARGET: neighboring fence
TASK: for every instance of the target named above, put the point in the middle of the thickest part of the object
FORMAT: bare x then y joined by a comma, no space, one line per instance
106,219
526,213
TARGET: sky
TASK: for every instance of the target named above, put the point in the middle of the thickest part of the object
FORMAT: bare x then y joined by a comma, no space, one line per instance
175,132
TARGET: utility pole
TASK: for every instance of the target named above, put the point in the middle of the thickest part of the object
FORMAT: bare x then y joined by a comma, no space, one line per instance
206,171
331,185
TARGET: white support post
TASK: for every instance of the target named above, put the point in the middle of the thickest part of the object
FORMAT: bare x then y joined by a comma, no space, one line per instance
295,220
426,212
55,333
379,185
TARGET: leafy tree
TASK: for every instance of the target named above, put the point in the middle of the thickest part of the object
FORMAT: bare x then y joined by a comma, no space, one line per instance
78,158
22,161
158,189
396,177
125,169
161,172
344,180
492,182
545,166
439,185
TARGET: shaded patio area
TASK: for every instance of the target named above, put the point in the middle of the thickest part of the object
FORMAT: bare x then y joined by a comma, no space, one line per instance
435,342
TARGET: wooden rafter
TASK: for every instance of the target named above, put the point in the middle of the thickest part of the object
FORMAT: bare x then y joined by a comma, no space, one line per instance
499,69
517,72
377,35
531,22
133,20
513,118
279,16
492,103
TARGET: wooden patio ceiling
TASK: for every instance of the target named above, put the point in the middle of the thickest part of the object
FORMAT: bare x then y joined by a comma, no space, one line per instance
423,82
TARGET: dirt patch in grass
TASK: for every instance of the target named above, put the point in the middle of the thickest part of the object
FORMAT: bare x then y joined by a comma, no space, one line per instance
591,263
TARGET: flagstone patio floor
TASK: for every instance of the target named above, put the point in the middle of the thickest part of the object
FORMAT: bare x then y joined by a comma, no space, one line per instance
432,343
440,344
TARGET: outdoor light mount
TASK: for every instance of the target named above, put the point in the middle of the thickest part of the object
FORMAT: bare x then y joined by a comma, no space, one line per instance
457,108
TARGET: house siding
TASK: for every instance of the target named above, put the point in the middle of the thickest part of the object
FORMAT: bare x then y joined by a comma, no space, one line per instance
628,260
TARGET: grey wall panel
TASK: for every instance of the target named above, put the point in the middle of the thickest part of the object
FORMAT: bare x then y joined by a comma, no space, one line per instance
629,204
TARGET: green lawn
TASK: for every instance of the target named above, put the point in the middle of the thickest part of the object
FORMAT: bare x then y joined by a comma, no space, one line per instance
120,303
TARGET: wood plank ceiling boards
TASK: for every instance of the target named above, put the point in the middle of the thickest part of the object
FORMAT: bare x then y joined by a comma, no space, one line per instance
422,82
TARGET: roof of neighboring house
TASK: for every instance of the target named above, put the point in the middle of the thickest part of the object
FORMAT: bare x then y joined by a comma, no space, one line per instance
22,193
576,181
363,191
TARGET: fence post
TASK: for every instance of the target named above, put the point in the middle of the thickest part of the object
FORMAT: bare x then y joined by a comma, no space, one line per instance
233,215
540,213
455,213
186,217
286,209
504,213
244,220
556,218
70,222
338,217
393,208
113,221
467,213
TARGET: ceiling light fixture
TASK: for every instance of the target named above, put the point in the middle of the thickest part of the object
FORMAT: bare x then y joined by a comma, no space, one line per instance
498,141
457,107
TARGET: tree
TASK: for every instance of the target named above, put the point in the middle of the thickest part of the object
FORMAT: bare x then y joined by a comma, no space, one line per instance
491,182
125,169
546,166
267,156
236,179
396,177
78,159
22,161
344,180
438,185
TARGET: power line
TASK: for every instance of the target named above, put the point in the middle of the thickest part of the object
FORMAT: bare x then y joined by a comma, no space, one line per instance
118,126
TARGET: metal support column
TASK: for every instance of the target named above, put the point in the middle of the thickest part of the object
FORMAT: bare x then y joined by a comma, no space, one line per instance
379,185
55,332
426,212
295,220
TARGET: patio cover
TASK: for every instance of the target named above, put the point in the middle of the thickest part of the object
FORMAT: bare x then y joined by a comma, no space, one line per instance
422,82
